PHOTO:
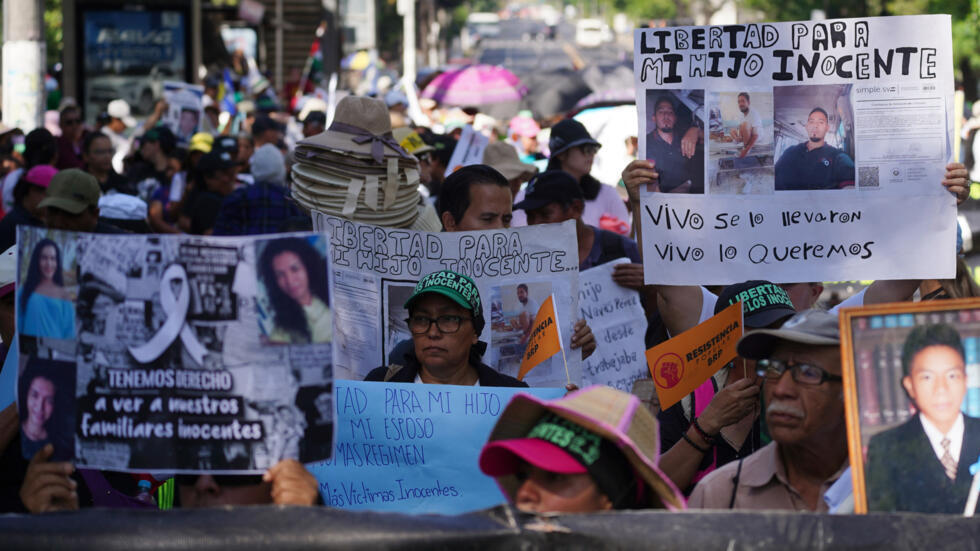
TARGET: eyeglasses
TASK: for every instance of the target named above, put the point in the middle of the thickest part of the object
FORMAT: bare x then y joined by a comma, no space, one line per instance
805,374
419,325
589,149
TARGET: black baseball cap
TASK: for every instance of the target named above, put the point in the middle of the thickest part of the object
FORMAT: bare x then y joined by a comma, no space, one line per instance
227,144
318,117
215,160
163,136
263,123
567,134
763,303
551,186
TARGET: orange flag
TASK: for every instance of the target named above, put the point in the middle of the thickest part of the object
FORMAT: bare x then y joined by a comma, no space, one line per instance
681,364
545,341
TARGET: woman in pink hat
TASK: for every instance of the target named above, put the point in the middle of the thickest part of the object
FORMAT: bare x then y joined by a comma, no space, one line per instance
592,450
28,192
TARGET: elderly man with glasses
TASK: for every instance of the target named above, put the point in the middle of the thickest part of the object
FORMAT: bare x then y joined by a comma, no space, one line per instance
804,402
445,316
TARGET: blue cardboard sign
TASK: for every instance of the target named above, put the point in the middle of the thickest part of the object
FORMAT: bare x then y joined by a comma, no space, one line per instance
413,448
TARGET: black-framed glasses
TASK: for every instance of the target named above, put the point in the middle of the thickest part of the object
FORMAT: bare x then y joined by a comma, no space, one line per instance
419,324
805,374
589,148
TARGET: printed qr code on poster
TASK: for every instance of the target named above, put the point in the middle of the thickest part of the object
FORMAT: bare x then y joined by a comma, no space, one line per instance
868,176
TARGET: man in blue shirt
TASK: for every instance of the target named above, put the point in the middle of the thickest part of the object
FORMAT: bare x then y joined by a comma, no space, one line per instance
260,208
813,164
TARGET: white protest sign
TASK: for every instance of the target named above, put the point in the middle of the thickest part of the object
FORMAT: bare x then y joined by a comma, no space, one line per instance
800,151
374,270
617,319
176,353
414,448
184,109
469,149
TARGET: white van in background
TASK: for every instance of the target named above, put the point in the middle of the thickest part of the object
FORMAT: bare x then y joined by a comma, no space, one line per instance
591,33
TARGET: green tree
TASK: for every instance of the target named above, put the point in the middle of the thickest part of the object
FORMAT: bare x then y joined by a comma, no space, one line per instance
965,15
53,33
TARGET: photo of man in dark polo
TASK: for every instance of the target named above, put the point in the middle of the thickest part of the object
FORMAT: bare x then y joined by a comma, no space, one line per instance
675,145
814,164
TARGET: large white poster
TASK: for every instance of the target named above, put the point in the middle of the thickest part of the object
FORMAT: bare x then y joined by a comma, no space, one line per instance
373,271
174,353
616,316
800,151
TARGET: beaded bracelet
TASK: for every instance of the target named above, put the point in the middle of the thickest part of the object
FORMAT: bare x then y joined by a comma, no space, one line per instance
707,438
695,446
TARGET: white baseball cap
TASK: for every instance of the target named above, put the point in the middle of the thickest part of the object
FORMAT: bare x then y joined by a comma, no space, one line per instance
119,109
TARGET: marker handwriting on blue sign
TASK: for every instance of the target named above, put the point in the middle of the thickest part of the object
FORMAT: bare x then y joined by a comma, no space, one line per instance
412,447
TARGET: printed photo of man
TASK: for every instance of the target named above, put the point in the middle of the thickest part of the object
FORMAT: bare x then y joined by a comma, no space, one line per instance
675,143
923,465
527,309
814,164
750,131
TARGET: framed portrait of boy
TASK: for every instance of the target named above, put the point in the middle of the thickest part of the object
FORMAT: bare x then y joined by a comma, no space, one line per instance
912,392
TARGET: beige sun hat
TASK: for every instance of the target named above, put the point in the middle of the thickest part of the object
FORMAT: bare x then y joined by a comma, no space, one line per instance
357,170
611,414
503,157
360,126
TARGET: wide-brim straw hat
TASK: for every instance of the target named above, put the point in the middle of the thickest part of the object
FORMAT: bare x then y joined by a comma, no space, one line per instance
356,170
361,126
612,414
503,157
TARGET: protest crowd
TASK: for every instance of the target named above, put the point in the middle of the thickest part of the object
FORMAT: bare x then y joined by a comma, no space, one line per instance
766,431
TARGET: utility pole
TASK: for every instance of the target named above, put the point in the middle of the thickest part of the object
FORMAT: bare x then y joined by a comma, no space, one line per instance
330,41
23,63
406,9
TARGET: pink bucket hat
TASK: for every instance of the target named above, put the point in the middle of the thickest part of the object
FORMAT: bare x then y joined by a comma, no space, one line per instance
600,420
524,126
41,175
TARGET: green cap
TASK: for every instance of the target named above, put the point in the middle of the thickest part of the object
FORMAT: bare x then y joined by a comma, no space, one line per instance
456,287
72,190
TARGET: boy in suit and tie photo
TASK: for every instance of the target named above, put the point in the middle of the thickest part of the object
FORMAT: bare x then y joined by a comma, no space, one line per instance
923,465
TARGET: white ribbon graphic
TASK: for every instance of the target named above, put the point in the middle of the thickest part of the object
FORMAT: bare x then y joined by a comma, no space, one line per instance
176,310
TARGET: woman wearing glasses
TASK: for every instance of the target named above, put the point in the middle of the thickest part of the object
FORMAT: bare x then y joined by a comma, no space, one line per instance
445,316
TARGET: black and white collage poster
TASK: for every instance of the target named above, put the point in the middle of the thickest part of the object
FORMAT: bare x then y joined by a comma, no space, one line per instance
174,353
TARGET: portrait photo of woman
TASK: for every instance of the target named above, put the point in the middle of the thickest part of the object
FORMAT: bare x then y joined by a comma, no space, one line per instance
293,275
45,398
45,308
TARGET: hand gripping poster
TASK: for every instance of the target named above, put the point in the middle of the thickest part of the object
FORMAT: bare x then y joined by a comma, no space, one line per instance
174,353
797,151
374,271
